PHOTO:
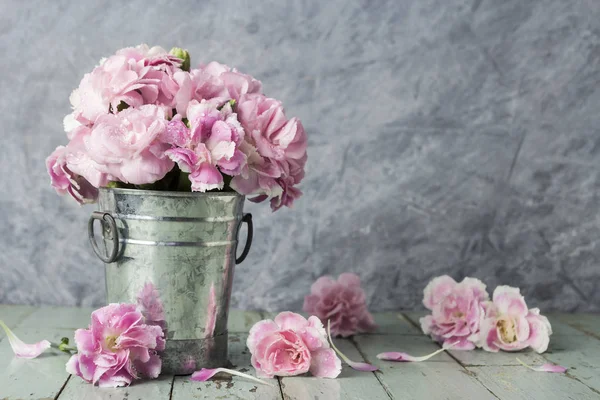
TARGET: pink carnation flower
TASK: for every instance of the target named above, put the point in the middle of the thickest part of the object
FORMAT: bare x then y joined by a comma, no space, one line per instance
117,348
64,180
213,81
209,147
456,310
127,145
342,302
508,325
292,345
276,151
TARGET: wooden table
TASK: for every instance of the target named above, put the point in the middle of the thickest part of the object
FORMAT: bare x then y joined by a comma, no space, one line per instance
453,375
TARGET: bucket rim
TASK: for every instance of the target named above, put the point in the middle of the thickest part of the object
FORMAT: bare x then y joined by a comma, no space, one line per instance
165,193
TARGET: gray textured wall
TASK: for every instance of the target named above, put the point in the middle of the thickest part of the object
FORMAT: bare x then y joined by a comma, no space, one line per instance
456,137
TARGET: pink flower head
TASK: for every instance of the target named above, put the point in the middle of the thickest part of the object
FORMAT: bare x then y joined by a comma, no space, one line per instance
275,149
213,81
269,129
117,348
292,345
508,325
456,310
134,76
209,147
128,145
64,180
342,302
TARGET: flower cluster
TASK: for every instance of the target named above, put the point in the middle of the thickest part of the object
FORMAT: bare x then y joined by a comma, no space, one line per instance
341,302
463,317
142,118
292,345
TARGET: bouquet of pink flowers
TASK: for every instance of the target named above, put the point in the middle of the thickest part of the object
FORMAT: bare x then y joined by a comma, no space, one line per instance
143,119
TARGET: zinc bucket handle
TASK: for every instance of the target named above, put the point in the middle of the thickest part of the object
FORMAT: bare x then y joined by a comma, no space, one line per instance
247,218
110,228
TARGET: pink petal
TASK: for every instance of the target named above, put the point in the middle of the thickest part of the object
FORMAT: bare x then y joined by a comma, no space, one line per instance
85,341
545,367
509,301
206,177
325,364
290,320
359,366
151,368
21,349
349,279
437,290
405,357
205,374
186,159
258,331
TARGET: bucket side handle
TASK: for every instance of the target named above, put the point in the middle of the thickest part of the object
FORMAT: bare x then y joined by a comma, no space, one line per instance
110,229
247,218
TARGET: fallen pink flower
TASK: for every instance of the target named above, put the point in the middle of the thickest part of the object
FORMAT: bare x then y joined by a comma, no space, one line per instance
21,349
341,301
545,367
206,373
359,366
292,345
405,357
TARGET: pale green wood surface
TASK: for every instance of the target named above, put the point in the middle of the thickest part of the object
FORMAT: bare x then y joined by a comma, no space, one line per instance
41,378
228,387
77,389
588,323
516,383
439,378
12,315
575,344
350,384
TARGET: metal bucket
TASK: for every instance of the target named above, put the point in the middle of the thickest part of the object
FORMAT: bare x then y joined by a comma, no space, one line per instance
181,249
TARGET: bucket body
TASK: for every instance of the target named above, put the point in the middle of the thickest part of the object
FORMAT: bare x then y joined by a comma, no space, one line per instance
174,253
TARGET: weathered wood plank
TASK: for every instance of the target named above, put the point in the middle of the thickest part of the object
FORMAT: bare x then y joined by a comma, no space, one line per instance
59,317
156,389
394,323
13,315
514,383
580,354
228,388
442,378
350,384
585,323
480,357
241,321
41,378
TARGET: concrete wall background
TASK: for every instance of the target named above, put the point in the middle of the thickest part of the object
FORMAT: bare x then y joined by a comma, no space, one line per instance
446,136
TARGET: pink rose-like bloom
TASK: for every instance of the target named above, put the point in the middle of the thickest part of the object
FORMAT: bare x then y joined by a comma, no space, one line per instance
456,310
135,76
209,147
508,324
117,348
213,81
342,302
128,147
275,149
292,345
